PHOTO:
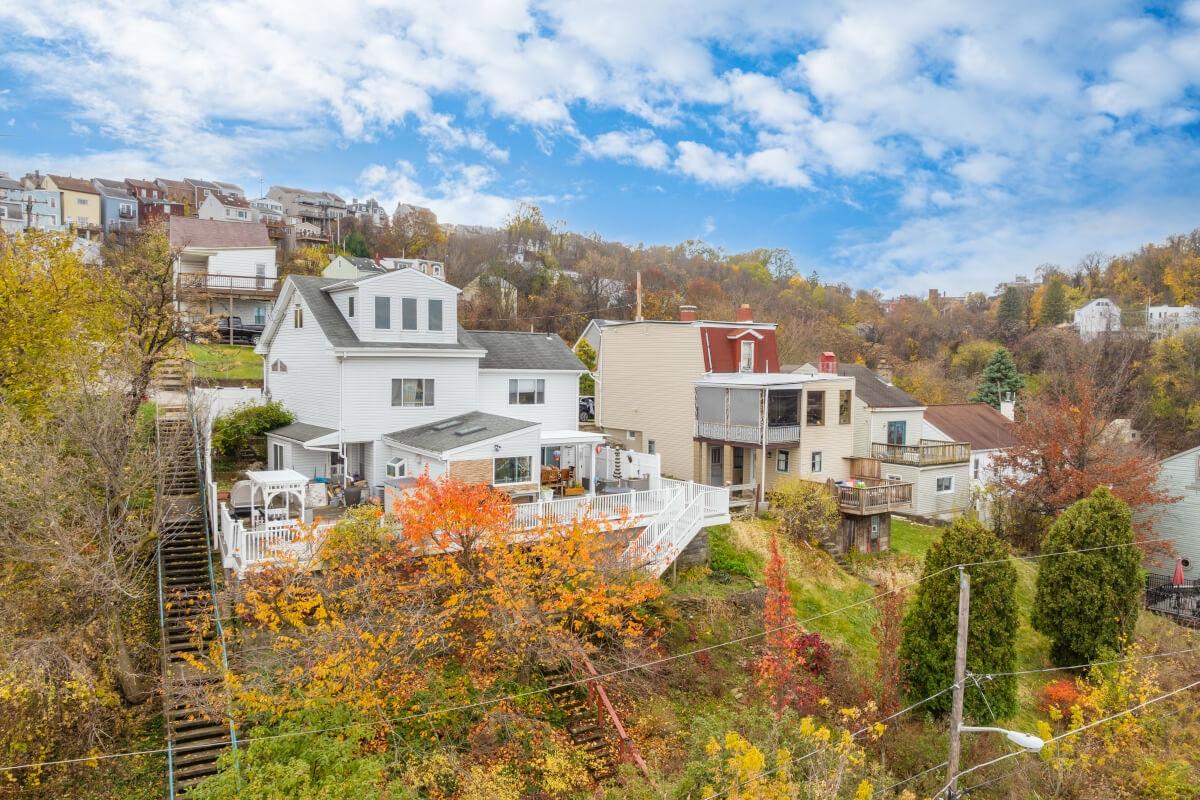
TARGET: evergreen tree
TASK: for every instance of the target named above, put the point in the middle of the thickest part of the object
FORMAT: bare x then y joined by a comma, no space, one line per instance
999,376
927,650
1013,309
356,245
1087,603
1054,304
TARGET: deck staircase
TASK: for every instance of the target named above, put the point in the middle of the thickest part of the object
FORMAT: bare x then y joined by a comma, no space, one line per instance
195,736
690,508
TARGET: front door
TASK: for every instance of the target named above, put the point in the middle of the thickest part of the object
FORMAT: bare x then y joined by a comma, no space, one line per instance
738,473
849,540
716,466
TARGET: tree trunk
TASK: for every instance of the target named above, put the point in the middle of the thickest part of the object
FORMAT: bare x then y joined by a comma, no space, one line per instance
135,688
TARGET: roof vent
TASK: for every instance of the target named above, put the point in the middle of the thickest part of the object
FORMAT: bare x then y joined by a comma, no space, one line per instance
470,430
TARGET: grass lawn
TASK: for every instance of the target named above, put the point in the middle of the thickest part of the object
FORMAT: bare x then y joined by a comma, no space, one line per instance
912,538
227,361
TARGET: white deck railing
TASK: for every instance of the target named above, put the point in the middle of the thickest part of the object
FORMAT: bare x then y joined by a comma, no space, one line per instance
602,506
242,546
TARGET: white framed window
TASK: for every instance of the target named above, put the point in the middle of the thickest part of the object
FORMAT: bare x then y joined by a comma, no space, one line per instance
409,392
383,313
894,478
277,456
81,201
746,362
435,314
816,461
975,469
511,469
350,306
630,434
526,392
298,316
408,313
945,484
396,468
783,460
278,366
651,446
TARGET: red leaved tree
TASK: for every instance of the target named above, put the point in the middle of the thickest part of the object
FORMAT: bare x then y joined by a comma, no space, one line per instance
1067,446
784,671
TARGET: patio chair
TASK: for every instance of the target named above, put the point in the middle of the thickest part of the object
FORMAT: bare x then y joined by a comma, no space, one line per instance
240,495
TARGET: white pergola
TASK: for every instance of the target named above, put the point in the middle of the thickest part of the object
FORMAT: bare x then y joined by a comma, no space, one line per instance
267,485
577,448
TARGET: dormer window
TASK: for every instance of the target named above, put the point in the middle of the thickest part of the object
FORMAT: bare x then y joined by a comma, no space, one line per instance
408,313
746,362
435,315
383,313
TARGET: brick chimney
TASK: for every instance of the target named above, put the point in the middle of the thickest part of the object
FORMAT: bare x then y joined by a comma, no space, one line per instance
884,371
687,314
828,364
743,313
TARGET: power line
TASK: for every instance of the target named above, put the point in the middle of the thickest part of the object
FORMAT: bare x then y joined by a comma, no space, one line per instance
1092,664
585,680
910,778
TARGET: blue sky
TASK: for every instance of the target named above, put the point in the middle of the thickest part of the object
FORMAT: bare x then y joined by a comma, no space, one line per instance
895,146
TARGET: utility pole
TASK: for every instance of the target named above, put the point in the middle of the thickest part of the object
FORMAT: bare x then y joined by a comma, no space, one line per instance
638,316
960,679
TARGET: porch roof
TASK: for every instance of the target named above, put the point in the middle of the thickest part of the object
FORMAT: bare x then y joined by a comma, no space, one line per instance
755,380
454,433
302,433
279,479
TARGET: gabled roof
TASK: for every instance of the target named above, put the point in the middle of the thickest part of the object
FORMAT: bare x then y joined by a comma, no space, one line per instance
874,392
520,350
73,184
168,183
201,183
978,424
138,183
205,233
233,201
454,433
9,183
230,187
110,188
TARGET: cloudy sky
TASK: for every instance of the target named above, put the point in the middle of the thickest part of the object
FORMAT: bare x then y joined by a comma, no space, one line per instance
898,146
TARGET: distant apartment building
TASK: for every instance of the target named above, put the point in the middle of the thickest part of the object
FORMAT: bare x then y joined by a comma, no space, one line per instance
1164,321
318,209
1097,317
267,210
118,207
368,211
225,207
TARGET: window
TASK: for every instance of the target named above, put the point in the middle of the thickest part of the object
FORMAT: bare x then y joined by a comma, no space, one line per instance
435,315
651,446
526,391
975,469
408,313
817,461
350,307
897,431
260,315
277,456
782,460
412,391
81,201
814,410
746,364
298,316
945,484
278,366
844,406
396,468
383,312
894,478
630,434
783,407
513,469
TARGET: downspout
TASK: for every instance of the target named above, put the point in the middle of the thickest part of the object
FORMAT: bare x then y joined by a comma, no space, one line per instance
341,435
762,486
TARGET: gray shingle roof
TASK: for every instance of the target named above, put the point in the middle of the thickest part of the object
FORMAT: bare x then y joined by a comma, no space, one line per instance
205,233
518,350
460,431
301,432
874,392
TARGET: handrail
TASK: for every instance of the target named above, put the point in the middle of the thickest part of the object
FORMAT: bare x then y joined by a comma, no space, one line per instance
198,442
164,661
609,710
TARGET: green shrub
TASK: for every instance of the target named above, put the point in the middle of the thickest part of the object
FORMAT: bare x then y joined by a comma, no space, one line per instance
234,430
1089,601
806,510
930,626
724,557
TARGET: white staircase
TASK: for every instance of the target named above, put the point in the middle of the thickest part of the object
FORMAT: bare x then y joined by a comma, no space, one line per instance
691,507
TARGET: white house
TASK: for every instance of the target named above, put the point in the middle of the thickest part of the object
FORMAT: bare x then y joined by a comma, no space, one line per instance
224,268
1179,522
225,207
889,426
989,433
1099,316
435,268
266,209
385,384
1163,321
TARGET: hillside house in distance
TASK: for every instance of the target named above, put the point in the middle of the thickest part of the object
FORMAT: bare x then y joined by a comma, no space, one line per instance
223,268
118,206
1179,524
152,200
1164,321
1097,317
225,207
78,198
988,431
349,267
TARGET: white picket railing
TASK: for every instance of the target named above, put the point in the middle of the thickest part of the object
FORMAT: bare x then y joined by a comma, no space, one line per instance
603,506
692,507
242,547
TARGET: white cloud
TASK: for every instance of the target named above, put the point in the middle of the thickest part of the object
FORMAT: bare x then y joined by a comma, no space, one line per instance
461,195
640,147
982,168
775,166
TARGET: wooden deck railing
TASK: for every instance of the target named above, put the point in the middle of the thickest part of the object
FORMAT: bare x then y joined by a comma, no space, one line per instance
215,283
926,454
873,496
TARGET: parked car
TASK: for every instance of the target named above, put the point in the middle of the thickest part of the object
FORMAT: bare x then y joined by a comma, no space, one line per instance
242,333
587,409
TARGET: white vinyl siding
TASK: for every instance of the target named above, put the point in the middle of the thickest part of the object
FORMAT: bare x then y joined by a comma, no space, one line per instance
1180,521
310,363
559,412
367,412
408,292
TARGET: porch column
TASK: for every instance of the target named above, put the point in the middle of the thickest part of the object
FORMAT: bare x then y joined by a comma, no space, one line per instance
592,482
699,451
727,465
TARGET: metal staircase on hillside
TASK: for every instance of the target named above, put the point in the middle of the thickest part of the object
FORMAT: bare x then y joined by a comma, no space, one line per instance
187,614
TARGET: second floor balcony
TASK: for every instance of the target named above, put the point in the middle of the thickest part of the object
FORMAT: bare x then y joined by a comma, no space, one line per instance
212,283
750,434
928,453
862,496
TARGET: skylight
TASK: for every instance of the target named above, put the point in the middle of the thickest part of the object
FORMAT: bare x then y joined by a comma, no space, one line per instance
441,426
470,430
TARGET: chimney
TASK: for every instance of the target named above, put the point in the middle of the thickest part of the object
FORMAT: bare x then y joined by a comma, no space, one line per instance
829,363
883,370
743,313
1008,405
687,314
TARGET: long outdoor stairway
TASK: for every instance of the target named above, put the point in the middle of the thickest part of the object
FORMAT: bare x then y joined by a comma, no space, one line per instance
583,722
195,737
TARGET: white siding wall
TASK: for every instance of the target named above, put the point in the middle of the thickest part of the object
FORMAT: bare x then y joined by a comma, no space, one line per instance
242,261
522,443
560,412
367,394
877,423
313,463
309,388
408,283
416,462
927,501
1180,521
342,301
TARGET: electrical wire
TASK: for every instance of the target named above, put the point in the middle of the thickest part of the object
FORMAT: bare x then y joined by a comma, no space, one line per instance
555,316
909,779
1169,654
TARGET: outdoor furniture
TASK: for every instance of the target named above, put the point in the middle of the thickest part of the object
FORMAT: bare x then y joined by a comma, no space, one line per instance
240,495
352,496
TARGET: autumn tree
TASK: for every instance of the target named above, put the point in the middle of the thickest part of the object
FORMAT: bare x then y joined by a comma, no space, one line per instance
784,674
586,354
1065,448
1087,602
1054,305
1173,379
889,602
414,233
927,649
999,377
307,260
806,509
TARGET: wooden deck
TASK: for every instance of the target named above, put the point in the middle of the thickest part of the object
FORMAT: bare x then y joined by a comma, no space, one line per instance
926,454
873,496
